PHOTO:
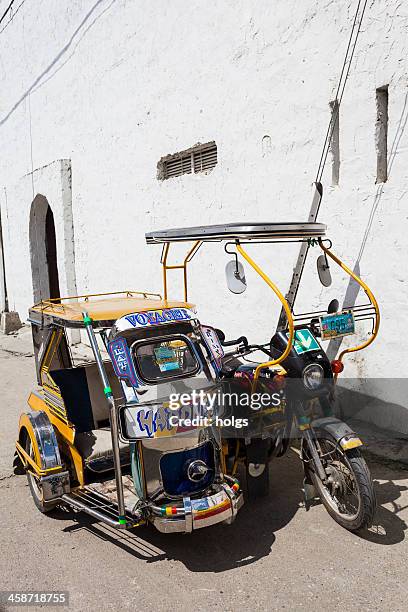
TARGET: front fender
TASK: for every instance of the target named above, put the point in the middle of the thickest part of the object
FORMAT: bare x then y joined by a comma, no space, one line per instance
340,431
38,428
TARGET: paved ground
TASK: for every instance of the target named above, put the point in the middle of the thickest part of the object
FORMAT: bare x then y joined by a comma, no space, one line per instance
275,556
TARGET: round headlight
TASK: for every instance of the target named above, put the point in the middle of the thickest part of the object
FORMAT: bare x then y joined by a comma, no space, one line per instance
313,376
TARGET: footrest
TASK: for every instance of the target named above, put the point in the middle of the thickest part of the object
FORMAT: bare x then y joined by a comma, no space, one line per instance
99,506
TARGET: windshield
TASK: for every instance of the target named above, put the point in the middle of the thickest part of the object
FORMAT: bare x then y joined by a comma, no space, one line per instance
164,359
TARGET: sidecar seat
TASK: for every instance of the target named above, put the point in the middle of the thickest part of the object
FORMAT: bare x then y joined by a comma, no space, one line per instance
82,391
96,449
87,409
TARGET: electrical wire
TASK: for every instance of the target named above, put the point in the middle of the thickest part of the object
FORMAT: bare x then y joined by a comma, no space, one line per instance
14,15
6,11
355,31
304,249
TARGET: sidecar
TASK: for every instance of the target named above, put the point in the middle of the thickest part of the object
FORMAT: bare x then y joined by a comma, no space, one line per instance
105,436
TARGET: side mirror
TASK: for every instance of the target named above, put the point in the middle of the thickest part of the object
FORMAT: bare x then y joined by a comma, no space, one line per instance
323,270
235,273
333,307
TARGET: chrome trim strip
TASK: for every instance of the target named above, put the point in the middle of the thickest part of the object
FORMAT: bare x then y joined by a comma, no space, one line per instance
228,231
183,521
54,399
46,440
188,513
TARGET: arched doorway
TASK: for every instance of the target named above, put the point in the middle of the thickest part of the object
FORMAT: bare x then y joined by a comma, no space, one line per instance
43,250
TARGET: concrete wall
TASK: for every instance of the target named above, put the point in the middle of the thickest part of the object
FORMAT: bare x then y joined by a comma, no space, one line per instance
24,248
114,85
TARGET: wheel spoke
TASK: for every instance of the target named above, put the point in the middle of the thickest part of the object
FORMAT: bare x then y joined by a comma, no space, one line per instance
342,490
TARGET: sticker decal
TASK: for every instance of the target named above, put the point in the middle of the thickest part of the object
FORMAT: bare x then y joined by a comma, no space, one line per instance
209,506
122,361
157,317
304,341
152,421
158,421
154,317
166,358
214,345
200,504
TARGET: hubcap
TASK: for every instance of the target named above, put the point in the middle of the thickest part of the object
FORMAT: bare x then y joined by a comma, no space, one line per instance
336,481
256,469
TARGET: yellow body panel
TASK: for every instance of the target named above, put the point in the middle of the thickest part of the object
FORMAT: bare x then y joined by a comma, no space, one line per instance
78,463
105,308
36,402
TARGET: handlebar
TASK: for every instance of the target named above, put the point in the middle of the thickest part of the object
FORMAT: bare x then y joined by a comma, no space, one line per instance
243,352
260,347
241,340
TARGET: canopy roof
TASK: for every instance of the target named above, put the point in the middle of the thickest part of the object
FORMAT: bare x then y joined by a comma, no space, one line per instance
101,308
239,231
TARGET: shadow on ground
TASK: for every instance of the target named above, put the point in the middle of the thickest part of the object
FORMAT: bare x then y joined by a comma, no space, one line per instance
388,528
252,535
217,548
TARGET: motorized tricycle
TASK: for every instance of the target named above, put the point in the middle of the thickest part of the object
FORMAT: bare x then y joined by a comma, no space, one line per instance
156,426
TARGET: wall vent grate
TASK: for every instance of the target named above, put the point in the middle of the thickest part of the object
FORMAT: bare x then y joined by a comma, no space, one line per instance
200,158
205,159
178,166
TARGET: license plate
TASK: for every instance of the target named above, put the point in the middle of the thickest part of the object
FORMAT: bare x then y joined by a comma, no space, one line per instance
336,325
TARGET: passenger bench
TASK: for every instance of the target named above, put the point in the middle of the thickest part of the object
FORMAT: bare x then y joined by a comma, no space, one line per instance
87,409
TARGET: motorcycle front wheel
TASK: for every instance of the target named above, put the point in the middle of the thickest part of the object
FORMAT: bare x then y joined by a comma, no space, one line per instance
348,492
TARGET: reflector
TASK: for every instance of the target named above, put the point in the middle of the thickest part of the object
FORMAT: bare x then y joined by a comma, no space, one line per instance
337,366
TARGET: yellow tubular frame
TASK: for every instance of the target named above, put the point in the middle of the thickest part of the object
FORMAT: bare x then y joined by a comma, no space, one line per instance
288,313
182,266
370,296
56,302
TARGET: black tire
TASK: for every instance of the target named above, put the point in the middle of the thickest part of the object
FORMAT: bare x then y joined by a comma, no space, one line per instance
363,486
35,487
258,486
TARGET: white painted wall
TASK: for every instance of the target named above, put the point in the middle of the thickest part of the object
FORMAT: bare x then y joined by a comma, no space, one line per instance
114,85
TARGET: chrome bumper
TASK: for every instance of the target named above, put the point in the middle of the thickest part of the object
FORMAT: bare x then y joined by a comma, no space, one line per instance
219,507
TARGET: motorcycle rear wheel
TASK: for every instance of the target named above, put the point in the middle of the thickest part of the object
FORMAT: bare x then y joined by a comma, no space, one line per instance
257,484
349,495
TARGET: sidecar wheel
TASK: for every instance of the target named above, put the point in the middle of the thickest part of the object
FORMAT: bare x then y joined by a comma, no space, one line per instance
257,485
35,488
349,497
